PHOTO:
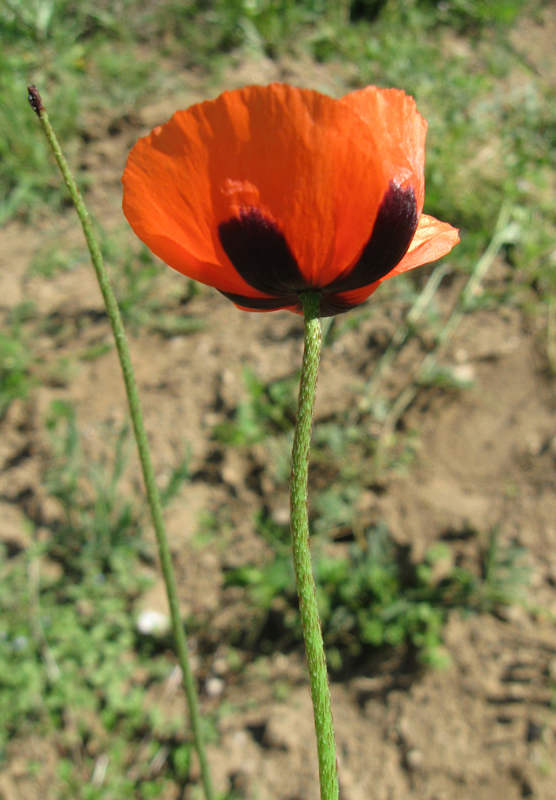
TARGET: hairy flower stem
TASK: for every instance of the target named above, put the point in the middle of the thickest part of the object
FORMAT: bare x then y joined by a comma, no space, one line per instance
153,496
314,647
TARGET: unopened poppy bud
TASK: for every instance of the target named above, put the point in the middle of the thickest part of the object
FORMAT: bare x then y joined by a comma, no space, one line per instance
35,100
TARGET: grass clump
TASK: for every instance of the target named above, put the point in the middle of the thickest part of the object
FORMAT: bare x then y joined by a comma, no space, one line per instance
141,306
371,596
17,361
15,379
267,410
100,519
74,666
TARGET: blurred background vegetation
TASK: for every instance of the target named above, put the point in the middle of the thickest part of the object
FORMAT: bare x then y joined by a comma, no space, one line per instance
491,161
491,137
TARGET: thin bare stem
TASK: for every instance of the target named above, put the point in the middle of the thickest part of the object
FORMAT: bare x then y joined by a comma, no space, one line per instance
153,496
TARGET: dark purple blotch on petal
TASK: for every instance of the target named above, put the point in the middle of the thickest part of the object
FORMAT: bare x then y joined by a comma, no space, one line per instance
263,303
333,304
260,253
394,228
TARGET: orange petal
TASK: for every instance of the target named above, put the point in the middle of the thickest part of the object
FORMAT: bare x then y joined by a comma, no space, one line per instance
344,301
306,161
174,220
399,132
433,239
296,308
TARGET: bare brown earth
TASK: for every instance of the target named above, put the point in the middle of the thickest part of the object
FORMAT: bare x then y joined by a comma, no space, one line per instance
484,728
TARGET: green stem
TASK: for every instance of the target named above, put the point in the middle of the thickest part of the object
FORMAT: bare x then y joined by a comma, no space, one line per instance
314,646
153,496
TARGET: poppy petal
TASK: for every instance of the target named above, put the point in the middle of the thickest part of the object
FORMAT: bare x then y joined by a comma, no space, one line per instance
393,231
270,191
433,239
174,222
290,302
260,253
303,159
399,128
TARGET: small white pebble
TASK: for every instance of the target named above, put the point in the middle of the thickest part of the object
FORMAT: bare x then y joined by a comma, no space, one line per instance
220,666
414,759
464,373
214,686
153,622
281,515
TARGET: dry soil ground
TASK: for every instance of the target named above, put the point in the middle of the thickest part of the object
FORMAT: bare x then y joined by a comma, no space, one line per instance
481,729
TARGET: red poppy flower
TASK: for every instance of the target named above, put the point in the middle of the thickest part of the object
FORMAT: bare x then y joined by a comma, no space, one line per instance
270,191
